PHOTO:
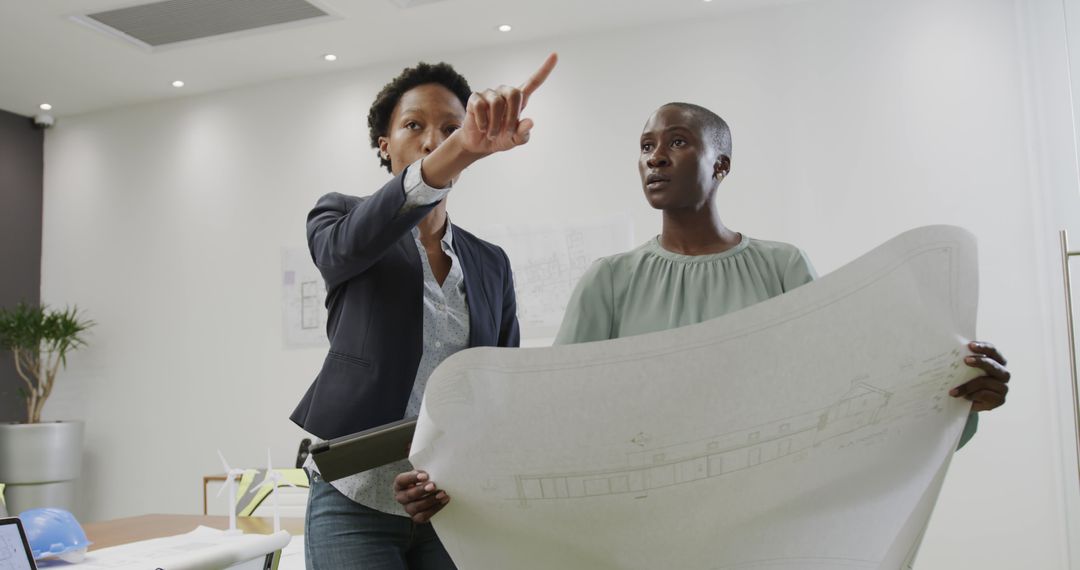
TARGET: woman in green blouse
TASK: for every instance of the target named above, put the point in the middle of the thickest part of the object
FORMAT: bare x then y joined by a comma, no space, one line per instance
695,270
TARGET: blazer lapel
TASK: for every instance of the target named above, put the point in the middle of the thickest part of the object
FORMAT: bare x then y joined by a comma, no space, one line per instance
480,315
415,286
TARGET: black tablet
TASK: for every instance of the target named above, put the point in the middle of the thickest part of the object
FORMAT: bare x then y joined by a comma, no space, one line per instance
363,450
14,548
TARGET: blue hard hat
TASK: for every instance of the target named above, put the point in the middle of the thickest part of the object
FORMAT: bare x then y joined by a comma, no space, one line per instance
54,532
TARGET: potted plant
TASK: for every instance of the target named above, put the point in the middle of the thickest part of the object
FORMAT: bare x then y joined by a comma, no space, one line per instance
39,462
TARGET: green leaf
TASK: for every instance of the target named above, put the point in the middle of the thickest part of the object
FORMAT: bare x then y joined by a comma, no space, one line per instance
38,329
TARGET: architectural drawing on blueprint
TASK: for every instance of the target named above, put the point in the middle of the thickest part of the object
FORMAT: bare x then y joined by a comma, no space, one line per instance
858,416
714,456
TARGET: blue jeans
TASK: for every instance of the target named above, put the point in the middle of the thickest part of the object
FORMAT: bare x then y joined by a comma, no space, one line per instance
341,534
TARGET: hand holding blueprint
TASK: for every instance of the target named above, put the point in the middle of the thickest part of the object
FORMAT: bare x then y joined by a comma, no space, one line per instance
808,432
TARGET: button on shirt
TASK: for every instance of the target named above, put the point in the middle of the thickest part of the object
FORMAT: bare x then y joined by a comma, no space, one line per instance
446,331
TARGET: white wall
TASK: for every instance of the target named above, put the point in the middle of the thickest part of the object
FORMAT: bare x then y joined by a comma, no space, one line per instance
853,120
1051,24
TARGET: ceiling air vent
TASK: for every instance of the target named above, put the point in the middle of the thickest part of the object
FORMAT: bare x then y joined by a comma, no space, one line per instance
169,22
403,4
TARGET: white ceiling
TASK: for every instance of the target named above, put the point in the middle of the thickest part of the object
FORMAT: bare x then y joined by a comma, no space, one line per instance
45,56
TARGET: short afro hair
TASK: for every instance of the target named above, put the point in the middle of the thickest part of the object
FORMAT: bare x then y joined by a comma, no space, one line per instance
715,128
387,99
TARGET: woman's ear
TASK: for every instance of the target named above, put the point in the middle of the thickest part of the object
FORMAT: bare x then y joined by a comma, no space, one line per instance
384,148
722,167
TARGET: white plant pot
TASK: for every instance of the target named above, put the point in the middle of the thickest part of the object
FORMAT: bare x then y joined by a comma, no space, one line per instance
40,464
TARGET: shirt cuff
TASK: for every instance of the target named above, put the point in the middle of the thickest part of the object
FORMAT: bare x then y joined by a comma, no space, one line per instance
417,192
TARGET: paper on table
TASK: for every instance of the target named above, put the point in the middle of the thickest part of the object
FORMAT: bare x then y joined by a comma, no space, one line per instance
199,549
811,431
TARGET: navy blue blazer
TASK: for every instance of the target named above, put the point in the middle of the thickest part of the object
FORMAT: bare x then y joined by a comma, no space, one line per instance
374,282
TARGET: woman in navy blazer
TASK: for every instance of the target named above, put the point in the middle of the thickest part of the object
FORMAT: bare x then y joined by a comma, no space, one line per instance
405,288
374,277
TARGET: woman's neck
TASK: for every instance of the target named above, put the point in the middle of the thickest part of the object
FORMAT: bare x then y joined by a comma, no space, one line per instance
696,232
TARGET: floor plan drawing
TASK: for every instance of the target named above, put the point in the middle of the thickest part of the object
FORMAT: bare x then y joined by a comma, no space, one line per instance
715,456
303,295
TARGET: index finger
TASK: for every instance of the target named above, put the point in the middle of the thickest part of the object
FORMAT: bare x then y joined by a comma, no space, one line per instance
409,479
985,348
538,78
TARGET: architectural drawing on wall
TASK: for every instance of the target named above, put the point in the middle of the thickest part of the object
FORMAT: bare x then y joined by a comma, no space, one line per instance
548,259
303,292
312,294
716,456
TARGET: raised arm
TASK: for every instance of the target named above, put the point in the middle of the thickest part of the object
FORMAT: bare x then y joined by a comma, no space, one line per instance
347,235
493,123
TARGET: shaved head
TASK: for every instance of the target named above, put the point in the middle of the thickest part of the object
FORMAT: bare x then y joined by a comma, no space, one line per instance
716,129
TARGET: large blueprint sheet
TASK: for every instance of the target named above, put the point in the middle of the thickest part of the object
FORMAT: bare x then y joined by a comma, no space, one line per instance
808,432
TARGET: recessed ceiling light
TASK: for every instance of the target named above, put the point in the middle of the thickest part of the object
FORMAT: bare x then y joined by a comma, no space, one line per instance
177,83
505,28
330,57
45,107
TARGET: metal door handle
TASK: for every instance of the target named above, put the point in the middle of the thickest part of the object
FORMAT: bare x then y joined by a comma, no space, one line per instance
1065,255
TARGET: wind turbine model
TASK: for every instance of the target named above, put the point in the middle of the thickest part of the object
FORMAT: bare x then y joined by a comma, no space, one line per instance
272,480
230,481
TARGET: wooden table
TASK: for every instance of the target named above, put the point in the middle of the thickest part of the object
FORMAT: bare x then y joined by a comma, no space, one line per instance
133,529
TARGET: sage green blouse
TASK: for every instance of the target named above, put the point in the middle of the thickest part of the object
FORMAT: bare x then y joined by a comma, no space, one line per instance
651,289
